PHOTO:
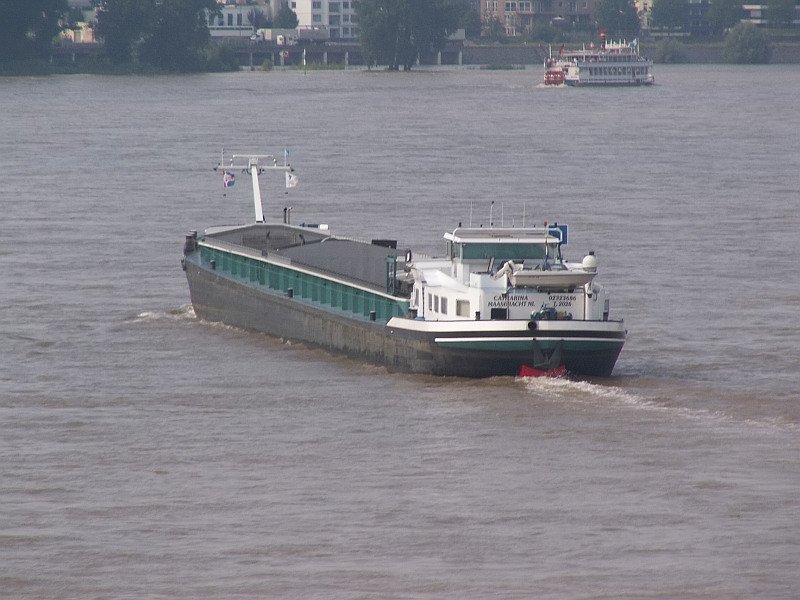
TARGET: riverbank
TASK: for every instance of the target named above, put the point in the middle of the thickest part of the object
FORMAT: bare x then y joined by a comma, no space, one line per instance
699,53
66,61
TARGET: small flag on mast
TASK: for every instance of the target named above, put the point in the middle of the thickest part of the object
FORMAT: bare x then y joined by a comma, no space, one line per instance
291,180
228,180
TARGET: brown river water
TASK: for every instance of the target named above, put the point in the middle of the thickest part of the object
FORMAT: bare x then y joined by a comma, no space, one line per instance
147,454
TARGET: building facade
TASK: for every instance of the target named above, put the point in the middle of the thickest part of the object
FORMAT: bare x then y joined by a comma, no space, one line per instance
236,17
521,16
338,16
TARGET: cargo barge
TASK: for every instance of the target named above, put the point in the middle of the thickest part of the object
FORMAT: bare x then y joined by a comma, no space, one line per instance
500,300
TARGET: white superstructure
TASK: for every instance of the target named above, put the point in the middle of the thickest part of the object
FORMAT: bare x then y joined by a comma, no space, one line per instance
507,274
613,63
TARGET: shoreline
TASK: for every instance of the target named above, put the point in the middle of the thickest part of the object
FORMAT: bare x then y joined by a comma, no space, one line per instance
472,56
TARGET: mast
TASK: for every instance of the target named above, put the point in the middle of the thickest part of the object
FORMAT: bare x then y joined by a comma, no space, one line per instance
252,164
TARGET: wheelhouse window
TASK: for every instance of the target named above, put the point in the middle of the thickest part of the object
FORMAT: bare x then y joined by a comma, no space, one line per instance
505,251
462,308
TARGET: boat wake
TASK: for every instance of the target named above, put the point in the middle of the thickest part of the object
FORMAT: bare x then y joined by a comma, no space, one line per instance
560,388
583,392
182,313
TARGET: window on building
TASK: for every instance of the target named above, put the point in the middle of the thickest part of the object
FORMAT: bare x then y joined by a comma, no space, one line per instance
334,7
316,5
316,18
230,20
333,20
239,19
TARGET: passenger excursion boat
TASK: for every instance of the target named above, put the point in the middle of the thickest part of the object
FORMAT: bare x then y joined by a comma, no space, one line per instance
554,72
612,64
501,301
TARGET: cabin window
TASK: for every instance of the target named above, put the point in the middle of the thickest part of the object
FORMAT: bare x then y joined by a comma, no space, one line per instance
462,308
443,306
503,251
499,314
430,301
436,304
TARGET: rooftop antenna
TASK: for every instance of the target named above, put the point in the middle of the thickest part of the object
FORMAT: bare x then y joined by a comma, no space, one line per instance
491,211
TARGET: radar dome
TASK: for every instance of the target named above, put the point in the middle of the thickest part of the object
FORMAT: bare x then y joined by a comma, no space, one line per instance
590,263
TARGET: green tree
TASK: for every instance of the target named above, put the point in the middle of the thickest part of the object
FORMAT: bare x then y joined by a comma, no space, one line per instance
168,34
179,35
724,14
27,27
780,13
618,18
671,14
494,31
285,18
469,20
670,50
258,19
122,24
747,44
397,32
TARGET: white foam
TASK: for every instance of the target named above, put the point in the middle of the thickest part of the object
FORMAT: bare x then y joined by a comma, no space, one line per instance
182,313
583,392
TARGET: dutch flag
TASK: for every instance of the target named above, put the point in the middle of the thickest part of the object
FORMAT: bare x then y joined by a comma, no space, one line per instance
228,180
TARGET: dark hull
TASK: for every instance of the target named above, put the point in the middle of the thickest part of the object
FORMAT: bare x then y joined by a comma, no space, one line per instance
217,298
573,83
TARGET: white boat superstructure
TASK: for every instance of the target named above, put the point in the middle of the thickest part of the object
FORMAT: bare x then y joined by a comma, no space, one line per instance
611,64
507,274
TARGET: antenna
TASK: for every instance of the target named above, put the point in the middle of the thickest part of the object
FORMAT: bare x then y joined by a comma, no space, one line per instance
251,163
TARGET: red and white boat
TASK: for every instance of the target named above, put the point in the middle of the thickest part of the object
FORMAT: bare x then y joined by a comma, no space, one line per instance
610,64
